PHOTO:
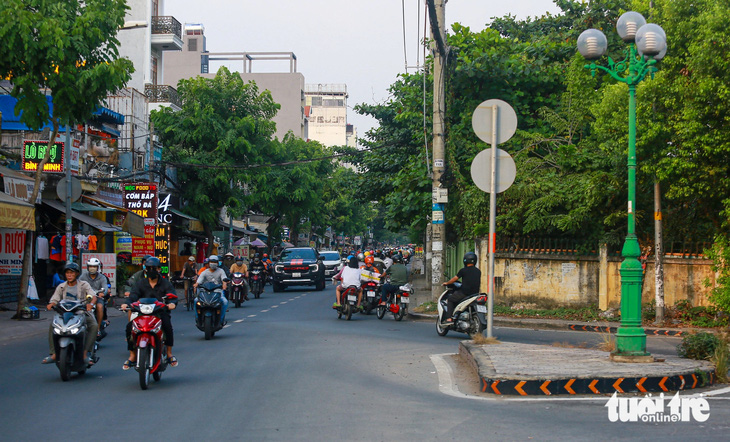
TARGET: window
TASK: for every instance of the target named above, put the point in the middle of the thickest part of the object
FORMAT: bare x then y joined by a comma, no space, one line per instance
155,8
153,70
193,44
316,101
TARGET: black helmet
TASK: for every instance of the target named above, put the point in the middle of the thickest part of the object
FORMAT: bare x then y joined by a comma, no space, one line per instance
153,262
72,266
470,258
397,258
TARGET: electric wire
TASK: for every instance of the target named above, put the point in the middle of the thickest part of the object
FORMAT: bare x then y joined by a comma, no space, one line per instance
405,51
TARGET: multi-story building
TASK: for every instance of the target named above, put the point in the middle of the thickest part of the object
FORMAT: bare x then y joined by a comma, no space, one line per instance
287,88
327,106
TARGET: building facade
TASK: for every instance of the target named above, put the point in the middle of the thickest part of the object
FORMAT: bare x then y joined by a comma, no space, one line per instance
327,106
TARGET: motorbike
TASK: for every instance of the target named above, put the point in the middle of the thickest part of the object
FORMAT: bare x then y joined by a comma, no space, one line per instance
69,338
237,289
348,303
208,308
470,315
370,296
105,322
190,295
256,282
147,337
397,303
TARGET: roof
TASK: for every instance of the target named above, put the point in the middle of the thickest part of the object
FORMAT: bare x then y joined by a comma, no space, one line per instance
86,219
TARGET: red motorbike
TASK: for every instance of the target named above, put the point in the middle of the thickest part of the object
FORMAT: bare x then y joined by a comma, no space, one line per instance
147,337
237,289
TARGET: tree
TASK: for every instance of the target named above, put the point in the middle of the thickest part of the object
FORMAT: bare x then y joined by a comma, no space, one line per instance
225,124
67,49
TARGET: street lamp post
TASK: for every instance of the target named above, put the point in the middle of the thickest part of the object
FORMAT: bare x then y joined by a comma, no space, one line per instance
647,45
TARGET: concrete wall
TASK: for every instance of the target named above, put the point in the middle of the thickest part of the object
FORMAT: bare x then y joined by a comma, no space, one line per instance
573,281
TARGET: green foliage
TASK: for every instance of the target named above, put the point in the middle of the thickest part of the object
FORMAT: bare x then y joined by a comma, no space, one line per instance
223,122
699,346
67,48
720,256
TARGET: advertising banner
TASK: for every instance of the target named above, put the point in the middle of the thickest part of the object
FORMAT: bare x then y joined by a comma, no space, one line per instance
143,246
141,198
162,247
122,242
21,189
34,151
12,243
108,266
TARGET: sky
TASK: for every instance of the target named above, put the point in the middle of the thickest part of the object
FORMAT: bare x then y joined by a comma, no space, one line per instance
356,42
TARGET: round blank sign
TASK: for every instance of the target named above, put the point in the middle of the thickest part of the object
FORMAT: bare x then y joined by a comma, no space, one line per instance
481,170
481,121
75,189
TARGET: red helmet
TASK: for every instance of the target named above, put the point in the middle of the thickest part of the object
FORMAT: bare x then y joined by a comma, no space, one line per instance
265,255
369,260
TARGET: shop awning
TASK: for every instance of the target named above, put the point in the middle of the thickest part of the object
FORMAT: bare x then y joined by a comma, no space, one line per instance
237,229
183,215
16,214
86,219
84,207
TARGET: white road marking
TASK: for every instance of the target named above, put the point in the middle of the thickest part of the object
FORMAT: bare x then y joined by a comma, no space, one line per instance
274,306
227,325
283,302
238,320
251,316
264,311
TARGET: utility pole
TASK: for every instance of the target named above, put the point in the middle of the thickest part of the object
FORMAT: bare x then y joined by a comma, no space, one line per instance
438,215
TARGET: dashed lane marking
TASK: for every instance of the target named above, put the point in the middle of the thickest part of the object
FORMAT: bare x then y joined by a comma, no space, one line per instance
227,325
251,316
274,306
283,302
264,311
238,320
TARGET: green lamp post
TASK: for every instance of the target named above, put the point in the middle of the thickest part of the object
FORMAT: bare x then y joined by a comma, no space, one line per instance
647,45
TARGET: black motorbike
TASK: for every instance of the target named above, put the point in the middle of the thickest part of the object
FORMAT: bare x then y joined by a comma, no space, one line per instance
469,316
257,281
69,338
370,296
208,308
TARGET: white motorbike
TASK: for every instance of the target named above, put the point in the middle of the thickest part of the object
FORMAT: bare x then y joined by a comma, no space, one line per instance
470,315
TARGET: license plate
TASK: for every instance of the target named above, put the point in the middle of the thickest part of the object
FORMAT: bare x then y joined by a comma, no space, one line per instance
481,308
404,300
296,275
371,294
352,298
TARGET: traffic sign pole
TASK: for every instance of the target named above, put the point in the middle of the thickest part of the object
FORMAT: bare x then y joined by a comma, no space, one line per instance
492,223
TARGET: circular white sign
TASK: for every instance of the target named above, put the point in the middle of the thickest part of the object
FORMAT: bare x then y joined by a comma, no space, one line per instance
481,170
481,121
75,189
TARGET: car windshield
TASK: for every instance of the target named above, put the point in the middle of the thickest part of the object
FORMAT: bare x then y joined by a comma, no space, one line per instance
290,254
330,256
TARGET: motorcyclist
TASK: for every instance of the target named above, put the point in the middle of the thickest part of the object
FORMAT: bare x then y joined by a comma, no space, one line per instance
398,274
76,290
388,261
360,259
152,286
379,263
471,278
215,275
228,260
240,267
99,283
204,267
257,264
349,276
188,272
370,268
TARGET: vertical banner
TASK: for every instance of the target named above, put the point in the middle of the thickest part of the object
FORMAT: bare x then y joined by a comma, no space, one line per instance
141,198
108,266
162,248
12,243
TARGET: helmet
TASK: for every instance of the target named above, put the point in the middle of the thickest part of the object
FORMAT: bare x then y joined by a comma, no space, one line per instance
369,260
191,258
367,254
360,257
93,263
72,266
265,255
213,258
206,260
470,258
145,258
153,262
397,258
256,255
229,255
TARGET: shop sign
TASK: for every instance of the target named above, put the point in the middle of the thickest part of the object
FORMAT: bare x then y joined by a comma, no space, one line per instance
141,198
12,243
122,242
143,246
241,250
162,247
108,266
21,189
34,151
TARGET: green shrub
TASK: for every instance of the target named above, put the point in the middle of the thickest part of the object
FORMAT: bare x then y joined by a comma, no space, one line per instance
700,345
719,253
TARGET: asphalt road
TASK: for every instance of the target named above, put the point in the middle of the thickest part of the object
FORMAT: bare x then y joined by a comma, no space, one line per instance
287,369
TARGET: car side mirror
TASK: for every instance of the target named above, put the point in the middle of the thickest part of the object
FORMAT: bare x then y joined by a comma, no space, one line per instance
320,258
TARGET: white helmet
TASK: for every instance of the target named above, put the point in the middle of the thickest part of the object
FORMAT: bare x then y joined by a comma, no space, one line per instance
95,263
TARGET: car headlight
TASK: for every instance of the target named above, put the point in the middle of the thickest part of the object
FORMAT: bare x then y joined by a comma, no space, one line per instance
278,269
314,267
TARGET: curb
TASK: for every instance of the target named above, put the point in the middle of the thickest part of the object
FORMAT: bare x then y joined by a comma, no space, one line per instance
491,383
562,325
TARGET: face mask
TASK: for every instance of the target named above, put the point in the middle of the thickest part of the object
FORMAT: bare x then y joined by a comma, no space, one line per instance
152,273
239,263
93,270
213,265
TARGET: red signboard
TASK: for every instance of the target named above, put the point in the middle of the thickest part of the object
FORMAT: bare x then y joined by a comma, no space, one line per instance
141,198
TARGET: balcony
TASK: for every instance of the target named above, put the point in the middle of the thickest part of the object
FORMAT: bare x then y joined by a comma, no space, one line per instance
166,33
160,95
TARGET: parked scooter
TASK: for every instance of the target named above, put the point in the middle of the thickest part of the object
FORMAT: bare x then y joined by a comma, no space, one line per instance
238,296
148,341
348,303
69,338
208,309
256,282
397,303
469,315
